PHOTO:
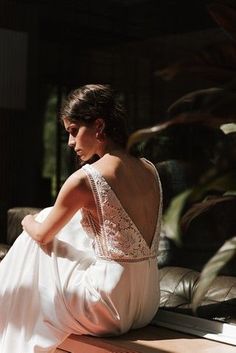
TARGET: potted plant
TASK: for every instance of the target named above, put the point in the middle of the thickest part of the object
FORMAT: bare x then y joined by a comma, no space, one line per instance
211,113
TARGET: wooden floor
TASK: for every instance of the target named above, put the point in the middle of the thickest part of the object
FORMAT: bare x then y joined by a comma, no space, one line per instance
151,339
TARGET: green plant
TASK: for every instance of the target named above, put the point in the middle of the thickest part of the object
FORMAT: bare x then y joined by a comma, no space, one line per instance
211,109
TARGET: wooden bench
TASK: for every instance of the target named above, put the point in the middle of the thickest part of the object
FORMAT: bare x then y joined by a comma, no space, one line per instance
151,339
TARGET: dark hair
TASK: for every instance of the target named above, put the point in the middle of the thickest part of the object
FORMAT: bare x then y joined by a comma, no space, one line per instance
90,102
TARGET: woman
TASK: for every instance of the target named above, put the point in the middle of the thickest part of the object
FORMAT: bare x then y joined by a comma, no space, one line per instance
88,264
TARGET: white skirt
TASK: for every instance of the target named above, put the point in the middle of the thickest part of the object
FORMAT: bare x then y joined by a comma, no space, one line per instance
48,292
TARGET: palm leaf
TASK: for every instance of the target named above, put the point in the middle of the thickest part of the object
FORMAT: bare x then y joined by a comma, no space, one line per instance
146,133
201,207
225,15
228,128
215,101
211,107
213,183
211,270
183,119
172,215
217,62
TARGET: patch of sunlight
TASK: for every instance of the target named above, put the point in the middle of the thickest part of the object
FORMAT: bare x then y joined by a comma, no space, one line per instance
228,128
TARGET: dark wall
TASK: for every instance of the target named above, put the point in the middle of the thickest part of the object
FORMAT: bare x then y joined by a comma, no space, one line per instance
20,123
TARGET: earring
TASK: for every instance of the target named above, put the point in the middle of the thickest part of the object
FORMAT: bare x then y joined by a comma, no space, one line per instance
100,136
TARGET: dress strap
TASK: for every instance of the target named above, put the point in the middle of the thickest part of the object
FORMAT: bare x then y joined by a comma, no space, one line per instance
95,183
157,178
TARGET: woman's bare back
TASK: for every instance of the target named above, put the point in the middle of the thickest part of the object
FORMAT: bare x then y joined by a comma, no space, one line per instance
135,184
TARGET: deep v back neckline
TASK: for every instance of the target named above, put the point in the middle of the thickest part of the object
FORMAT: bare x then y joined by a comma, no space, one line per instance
126,212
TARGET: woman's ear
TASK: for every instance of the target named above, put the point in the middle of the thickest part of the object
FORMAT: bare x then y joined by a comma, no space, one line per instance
100,127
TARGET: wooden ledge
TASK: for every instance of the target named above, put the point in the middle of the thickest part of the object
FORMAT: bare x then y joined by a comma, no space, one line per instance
151,339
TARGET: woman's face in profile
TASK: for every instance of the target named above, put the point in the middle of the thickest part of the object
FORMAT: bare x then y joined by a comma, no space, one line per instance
82,138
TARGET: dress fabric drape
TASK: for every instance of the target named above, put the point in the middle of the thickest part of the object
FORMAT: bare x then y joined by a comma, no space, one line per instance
86,281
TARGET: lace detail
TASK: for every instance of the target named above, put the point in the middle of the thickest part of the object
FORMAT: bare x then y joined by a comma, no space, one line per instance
116,237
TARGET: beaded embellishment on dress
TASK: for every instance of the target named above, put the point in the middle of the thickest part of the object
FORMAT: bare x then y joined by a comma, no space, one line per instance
117,237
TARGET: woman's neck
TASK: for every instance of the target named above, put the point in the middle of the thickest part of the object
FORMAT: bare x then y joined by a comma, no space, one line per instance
111,148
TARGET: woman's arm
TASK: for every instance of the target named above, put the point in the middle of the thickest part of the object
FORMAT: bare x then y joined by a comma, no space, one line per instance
74,194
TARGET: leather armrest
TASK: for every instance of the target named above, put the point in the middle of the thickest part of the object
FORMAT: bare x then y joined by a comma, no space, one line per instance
3,250
14,218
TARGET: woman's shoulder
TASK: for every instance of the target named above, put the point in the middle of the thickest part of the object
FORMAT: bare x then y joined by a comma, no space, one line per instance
79,180
116,166
108,164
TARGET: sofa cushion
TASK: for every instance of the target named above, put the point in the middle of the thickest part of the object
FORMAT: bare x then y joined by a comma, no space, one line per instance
3,250
177,286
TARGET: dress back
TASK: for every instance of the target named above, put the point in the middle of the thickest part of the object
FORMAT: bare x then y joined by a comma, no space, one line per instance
116,237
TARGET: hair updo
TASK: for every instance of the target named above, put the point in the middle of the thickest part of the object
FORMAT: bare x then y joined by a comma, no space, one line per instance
90,102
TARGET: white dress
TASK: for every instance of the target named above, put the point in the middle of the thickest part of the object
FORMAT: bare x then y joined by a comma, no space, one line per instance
98,279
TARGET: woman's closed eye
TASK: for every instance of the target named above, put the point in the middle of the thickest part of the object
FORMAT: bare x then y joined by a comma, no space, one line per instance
73,131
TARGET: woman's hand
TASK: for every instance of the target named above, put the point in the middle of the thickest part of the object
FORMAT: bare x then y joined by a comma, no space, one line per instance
26,221
30,225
